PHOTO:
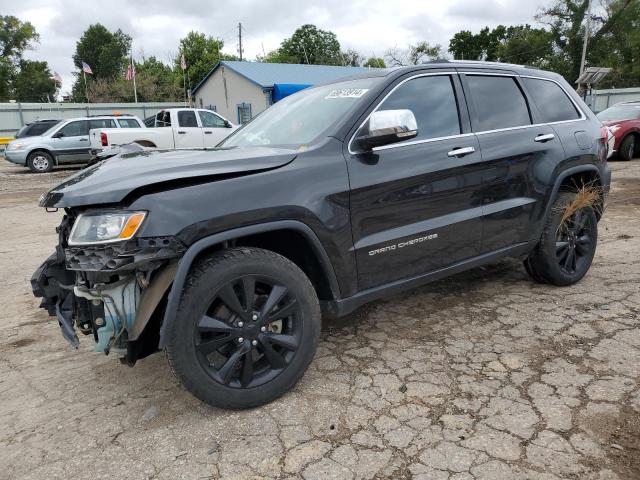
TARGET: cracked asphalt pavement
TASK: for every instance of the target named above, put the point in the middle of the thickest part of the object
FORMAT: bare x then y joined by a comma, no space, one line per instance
485,375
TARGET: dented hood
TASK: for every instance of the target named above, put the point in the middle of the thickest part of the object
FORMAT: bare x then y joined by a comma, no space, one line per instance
112,180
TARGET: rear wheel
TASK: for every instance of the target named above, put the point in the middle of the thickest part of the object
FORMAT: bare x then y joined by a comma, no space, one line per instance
565,251
40,162
246,330
628,148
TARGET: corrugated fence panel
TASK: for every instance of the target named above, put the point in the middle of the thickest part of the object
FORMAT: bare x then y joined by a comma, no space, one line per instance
14,115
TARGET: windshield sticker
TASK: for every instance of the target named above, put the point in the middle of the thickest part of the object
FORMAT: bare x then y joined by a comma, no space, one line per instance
347,93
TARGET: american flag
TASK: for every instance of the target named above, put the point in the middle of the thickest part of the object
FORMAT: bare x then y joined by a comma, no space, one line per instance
86,68
56,77
183,62
131,71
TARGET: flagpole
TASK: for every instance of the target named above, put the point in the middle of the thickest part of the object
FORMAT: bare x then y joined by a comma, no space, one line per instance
133,71
86,91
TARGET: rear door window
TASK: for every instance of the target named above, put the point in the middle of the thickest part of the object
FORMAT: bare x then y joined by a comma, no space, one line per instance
432,100
101,123
128,123
75,129
499,102
553,103
187,118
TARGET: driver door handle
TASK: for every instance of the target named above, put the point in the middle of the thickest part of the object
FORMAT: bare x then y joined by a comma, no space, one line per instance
544,138
208,132
461,152
181,132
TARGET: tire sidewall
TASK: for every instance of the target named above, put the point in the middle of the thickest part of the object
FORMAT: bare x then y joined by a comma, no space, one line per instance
33,155
181,347
553,270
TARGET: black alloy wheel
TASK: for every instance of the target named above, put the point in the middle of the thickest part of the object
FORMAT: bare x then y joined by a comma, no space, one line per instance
246,330
249,332
574,242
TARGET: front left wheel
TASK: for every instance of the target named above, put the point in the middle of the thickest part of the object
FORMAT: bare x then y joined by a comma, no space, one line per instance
246,330
40,162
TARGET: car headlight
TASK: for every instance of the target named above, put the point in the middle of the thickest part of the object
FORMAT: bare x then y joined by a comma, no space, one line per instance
15,146
614,128
105,227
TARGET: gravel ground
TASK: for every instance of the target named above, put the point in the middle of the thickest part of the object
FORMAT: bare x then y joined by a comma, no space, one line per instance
485,375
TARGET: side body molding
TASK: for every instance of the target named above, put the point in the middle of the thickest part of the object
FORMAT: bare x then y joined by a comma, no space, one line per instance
184,265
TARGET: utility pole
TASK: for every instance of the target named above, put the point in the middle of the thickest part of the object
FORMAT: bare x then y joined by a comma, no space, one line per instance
586,38
240,39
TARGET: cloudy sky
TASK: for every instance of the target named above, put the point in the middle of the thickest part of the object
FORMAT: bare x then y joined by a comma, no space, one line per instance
369,26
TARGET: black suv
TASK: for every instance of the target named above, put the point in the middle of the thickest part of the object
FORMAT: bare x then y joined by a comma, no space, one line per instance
334,196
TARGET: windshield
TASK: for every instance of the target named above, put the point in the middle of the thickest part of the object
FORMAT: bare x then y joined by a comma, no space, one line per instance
620,113
299,119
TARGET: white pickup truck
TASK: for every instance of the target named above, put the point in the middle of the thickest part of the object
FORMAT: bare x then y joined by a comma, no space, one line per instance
174,128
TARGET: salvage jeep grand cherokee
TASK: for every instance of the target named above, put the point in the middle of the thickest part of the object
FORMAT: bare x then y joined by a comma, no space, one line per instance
333,197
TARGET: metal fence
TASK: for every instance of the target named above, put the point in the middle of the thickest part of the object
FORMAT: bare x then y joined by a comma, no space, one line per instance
600,100
14,115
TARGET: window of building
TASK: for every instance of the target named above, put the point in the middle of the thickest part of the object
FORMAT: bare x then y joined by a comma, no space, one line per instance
210,120
553,103
432,100
499,102
187,118
244,112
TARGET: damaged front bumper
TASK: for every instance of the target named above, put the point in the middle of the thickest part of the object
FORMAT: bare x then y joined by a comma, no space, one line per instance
109,291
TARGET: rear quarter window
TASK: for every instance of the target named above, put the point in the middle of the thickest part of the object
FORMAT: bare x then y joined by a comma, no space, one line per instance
552,102
499,102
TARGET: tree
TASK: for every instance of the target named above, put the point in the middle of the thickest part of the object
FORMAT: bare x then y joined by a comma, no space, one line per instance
374,62
201,53
566,19
15,37
33,82
414,54
154,82
311,45
104,52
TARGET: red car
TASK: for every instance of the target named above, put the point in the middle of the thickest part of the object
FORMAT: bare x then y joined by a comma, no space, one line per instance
623,120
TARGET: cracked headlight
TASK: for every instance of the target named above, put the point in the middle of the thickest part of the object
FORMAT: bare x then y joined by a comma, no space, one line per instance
106,227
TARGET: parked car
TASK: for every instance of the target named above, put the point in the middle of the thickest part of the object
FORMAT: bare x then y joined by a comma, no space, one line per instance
623,120
175,128
38,127
335,196
66,142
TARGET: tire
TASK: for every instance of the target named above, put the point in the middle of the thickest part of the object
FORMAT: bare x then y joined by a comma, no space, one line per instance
566,249
628,147
236,350
40,162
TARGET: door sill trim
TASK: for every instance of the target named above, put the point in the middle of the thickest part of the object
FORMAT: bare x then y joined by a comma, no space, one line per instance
342,307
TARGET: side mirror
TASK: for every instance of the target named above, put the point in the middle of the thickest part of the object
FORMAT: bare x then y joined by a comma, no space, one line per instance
58,134
227,124
386,127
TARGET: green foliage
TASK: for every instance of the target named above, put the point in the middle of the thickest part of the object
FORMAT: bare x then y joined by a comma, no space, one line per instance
33,83
311,45
104,52
374,62
15,37
154,82
201,53
516,44
614,41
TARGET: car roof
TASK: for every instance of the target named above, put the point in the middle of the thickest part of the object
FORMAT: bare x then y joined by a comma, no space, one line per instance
458,65
98,117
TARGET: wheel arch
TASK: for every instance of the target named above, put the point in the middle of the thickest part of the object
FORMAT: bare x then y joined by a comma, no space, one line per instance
571,177
145,143
259,235
45,150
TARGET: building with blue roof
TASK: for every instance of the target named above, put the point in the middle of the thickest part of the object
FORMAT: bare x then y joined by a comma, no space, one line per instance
241,90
